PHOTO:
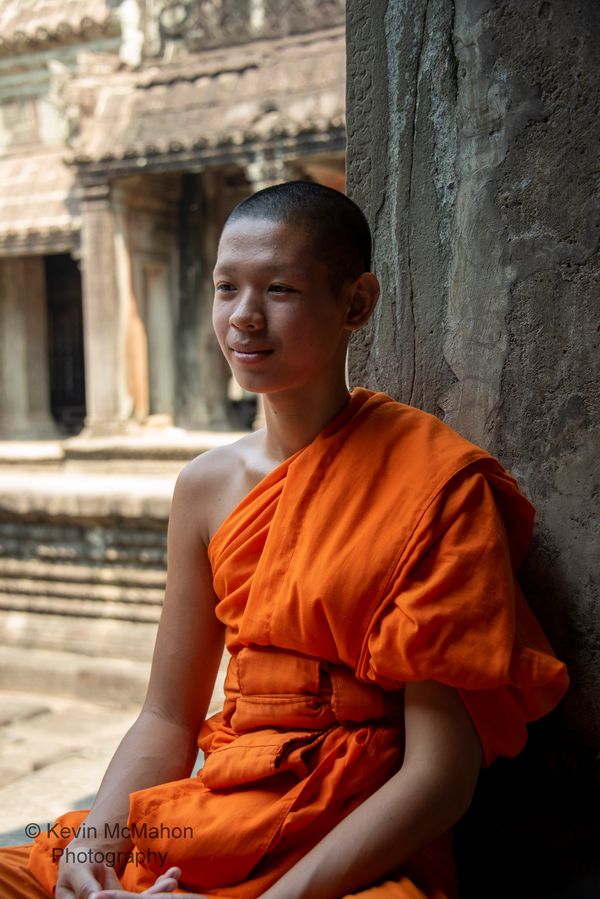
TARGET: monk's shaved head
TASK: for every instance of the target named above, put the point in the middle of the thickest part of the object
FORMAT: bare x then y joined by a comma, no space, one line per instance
338,229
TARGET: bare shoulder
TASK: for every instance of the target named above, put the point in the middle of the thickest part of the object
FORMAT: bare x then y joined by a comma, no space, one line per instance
214,482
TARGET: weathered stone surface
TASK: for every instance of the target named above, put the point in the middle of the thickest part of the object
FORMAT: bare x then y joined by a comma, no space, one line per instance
69,582
54,749
57,759
482,190
78,673
398,55
21,708
24,383
487,230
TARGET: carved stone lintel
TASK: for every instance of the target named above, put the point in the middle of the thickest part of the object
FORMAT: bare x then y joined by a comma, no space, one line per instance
96,193
198,24
266,171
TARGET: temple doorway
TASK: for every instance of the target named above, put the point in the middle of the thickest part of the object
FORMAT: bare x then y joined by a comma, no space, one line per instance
65,342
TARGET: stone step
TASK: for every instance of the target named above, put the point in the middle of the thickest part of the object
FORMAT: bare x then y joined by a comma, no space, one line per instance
82,574
45,529
108,682
91,546
91,590
85,608
29,630
114,683
63,553
85,496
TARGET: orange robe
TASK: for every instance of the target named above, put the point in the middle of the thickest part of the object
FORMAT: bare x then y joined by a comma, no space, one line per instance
383,552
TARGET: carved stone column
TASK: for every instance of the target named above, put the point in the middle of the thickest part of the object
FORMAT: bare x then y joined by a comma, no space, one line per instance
108,405
24,370
213,367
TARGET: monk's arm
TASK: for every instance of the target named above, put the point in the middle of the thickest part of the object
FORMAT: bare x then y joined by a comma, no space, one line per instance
431,791
161,744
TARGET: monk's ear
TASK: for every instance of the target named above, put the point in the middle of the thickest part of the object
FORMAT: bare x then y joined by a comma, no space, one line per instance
363,295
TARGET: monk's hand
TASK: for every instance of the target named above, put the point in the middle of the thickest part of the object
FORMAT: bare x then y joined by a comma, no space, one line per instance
123,894
84,880
161,888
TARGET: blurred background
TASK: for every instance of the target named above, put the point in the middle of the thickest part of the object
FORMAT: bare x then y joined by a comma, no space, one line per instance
128,131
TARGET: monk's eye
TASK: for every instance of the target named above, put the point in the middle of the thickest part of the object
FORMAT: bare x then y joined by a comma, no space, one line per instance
224,288
279,288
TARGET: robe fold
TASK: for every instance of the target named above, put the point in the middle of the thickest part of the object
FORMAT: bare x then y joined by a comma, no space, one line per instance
383,552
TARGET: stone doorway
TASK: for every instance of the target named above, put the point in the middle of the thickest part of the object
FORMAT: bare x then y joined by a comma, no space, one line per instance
65,342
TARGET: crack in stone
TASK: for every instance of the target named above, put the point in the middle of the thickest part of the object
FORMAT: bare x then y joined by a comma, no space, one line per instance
419,60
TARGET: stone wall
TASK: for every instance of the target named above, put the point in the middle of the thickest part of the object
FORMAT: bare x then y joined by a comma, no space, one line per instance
482,191
89,585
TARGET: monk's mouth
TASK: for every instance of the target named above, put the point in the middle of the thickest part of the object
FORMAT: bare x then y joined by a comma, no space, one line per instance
252,356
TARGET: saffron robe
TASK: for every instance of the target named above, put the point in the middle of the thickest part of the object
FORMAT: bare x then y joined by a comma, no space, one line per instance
383,552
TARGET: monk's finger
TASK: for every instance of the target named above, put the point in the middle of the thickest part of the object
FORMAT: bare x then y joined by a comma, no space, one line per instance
164,885
166,882
111,881
123,894
171,872
78,883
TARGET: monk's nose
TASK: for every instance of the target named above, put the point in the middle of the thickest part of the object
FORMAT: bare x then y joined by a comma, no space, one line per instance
248,313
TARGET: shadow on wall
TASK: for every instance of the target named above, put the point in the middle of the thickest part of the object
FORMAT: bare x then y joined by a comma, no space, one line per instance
533,829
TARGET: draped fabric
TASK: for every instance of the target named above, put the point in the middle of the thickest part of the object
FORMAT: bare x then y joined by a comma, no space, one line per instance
381,553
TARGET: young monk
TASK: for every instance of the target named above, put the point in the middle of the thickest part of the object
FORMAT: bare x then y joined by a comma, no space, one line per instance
357,556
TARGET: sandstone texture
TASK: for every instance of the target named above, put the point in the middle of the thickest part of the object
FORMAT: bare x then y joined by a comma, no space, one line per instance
473,131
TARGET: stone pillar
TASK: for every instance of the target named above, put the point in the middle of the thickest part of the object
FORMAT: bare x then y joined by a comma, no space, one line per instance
202,371
147,239
136,338
191,217
214,370
481,187
24,366
104,317
161,371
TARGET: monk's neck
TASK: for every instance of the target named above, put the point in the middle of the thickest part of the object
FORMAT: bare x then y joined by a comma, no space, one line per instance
293,422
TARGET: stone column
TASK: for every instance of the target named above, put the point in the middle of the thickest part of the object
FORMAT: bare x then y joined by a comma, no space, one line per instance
24,366
104,317
481,187
135,339
191,269
161,345
202,372
214,371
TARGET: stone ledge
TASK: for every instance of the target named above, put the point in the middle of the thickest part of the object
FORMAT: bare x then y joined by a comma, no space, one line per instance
174,444
26,632
142,444
86,495
82,573
114,683
24,452
109,682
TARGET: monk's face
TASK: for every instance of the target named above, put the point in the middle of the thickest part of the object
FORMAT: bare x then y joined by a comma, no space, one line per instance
277,318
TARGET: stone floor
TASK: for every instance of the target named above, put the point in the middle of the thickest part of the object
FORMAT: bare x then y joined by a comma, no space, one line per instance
53,754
